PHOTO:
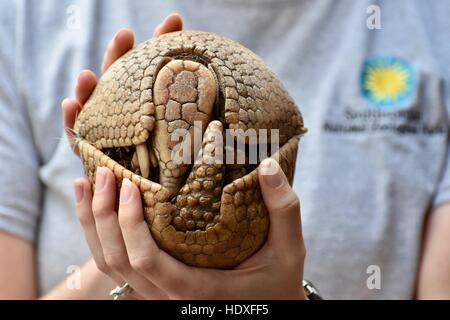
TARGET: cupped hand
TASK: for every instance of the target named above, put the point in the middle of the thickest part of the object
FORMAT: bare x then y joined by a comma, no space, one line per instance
123,247
122,42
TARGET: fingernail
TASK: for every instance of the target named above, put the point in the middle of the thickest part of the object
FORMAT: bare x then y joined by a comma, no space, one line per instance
116,35
79,192
100,178
271,173
65,101
125,191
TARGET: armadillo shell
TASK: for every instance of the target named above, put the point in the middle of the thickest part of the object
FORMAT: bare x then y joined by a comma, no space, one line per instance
207,215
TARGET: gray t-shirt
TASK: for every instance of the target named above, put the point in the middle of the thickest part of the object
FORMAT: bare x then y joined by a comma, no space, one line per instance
375,102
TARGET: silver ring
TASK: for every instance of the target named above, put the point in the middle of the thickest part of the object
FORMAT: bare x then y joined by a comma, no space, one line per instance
118,292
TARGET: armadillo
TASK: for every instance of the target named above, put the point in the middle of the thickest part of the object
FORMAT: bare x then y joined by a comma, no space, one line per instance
202,212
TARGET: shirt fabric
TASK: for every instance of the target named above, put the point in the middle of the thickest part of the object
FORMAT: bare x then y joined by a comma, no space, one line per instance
368,170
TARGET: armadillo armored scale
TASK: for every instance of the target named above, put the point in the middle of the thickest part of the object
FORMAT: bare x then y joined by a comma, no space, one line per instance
207,214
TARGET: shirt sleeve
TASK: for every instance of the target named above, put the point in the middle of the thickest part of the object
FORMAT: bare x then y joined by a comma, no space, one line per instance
440,48
442,194
19,160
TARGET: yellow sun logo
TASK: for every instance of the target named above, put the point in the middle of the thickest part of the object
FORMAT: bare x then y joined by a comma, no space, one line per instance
387,81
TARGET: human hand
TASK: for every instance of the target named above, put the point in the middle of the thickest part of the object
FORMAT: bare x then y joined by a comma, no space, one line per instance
123,247
122,42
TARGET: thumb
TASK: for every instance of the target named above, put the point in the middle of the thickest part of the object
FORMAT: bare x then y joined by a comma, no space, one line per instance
283,205
172,22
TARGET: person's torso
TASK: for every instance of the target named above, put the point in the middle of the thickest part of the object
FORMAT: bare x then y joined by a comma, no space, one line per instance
372,101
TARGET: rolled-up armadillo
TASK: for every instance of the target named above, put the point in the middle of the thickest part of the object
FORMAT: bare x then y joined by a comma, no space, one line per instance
205,213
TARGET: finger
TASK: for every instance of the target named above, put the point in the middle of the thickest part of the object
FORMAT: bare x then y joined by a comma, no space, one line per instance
283,206
144,254
142,285
119,45
107,225
171,23
83,195
70,108
110,235
85,85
